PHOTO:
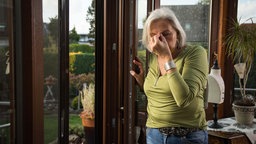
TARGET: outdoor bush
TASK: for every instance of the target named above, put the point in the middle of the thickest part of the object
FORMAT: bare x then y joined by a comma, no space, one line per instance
76,129
51,63
77,81
74,103
51,67
73,92
81,63
142,56
72,59
84,48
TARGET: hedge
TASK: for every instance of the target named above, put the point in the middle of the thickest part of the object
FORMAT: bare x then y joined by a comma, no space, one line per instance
83,48
81,63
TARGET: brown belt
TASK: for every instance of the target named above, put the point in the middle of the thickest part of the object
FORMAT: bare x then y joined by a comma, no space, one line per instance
177,131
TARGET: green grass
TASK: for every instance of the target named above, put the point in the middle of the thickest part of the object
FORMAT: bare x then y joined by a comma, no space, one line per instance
51,126
74,120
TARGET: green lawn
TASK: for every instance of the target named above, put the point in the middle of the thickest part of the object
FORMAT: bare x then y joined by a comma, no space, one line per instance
74,120
51,126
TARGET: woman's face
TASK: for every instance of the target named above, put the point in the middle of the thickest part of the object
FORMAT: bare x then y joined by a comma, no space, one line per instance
164,27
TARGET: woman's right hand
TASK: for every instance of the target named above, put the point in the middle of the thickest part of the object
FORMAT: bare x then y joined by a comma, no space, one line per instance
138,76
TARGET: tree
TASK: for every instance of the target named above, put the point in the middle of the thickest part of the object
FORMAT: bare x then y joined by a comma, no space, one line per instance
46,35
53,28
73,36
90,17
204,2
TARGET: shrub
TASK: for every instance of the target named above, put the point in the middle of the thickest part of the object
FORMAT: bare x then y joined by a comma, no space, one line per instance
76,82
76,129
81,63
84,48
74,103
51,59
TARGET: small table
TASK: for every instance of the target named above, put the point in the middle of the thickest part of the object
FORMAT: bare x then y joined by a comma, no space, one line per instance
232,132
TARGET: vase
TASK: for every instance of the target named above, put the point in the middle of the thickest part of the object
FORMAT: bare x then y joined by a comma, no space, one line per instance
244,114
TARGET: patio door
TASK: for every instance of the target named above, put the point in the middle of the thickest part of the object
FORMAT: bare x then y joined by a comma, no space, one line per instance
6,72
125,105
131,101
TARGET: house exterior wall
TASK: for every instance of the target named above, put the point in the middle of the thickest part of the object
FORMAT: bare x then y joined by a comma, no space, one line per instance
194,19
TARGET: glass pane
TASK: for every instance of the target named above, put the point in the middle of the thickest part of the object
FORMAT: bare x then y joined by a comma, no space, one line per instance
246,14
6,44
82,71
194,18
141,50
141,54
51,70
246,11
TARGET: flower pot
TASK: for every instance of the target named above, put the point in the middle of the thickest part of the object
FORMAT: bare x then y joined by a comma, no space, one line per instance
87,119
244,114
87,122
89,130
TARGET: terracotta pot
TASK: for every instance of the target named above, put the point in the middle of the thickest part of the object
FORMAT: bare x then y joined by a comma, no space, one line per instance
89,130
87,122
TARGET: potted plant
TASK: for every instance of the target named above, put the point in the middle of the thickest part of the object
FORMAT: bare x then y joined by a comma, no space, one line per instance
240,44
87,96
76,88
87,116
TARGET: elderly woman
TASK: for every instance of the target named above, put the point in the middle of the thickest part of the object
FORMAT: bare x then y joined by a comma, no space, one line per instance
174,84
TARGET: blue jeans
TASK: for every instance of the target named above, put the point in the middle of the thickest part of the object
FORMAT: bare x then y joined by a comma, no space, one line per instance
154,136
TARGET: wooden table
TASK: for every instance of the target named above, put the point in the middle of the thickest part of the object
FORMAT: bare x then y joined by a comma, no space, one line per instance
218,137
231,132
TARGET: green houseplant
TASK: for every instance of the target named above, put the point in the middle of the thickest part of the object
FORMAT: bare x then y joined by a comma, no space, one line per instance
240,44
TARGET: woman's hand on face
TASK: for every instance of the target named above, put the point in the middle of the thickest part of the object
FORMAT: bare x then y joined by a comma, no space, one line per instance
140,75
159,46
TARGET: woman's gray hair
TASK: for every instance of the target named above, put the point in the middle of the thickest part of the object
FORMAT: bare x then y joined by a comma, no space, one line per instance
167,14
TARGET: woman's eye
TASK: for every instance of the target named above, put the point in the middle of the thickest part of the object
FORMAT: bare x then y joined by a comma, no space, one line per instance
166,33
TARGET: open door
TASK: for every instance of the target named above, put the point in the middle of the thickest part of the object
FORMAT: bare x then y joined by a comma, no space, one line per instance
121,42
7,100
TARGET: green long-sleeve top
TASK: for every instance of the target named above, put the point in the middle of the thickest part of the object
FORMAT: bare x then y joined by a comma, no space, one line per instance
176,99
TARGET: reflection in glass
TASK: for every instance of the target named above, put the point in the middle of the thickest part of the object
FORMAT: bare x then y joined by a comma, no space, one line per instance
141,54
51,70
194,18
141,50
6,43
246,14
246,11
